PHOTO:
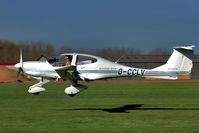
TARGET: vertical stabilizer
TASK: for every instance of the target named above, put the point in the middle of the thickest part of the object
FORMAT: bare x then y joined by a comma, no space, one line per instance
180,60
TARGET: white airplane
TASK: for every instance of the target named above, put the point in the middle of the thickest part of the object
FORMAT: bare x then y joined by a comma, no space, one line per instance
76,66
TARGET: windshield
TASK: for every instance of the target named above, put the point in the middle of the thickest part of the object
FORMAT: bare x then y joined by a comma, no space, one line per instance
57,60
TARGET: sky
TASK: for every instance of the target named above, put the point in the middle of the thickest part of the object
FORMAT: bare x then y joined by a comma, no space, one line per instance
140,24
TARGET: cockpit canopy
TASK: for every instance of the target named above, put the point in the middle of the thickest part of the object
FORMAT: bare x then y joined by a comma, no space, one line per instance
57,60
67,59
82,59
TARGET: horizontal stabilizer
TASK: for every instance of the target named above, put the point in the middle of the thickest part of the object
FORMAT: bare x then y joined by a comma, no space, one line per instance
163,77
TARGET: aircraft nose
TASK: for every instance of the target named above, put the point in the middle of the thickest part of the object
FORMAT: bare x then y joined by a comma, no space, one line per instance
17,65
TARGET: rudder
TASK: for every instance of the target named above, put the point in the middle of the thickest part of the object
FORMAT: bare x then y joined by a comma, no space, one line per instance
180,60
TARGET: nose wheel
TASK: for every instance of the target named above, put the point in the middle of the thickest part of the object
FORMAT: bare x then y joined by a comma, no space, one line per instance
37,88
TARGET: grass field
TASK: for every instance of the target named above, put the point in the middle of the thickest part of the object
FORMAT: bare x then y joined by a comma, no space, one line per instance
109,106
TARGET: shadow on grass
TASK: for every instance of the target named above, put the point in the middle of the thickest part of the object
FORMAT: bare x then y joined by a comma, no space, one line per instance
126,108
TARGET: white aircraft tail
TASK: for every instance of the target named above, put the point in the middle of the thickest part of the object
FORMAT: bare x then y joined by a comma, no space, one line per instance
180,60
179,63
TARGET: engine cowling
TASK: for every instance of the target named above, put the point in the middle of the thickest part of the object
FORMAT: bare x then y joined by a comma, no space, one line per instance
73,90
36,90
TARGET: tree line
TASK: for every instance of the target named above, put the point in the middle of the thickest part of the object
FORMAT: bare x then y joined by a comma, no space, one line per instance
32,50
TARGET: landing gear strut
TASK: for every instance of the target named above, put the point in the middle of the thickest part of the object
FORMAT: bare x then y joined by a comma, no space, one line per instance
37,88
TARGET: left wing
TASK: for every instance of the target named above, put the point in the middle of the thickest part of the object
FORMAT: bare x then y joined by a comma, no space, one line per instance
67,72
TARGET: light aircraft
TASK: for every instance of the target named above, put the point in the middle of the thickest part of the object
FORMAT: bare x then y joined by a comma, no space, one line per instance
76,66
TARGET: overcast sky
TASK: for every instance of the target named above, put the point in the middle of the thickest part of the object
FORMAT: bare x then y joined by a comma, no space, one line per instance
142,24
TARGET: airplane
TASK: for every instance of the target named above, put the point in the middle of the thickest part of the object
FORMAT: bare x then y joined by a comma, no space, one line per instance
76,66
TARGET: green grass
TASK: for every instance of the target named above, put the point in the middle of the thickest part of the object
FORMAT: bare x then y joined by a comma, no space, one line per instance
165,107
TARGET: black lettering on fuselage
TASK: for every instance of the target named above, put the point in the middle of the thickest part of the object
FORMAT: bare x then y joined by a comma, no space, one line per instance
142,71
136,72
129,71
120,71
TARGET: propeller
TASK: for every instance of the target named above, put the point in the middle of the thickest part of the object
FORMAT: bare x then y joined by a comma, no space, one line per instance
20,70
19,65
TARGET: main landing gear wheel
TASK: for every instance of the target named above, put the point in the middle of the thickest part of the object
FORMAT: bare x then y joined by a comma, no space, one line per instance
72,95
37,93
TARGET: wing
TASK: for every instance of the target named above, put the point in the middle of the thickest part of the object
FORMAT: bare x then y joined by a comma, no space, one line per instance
67,72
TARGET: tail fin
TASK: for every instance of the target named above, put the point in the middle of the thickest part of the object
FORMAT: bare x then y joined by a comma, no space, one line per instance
180,60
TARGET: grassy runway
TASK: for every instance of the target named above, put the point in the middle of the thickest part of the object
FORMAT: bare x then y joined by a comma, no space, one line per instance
148,107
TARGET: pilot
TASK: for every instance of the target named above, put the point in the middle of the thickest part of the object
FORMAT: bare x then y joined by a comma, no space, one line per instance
67,60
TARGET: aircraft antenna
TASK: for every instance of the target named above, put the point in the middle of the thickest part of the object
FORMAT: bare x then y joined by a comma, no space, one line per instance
119,59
